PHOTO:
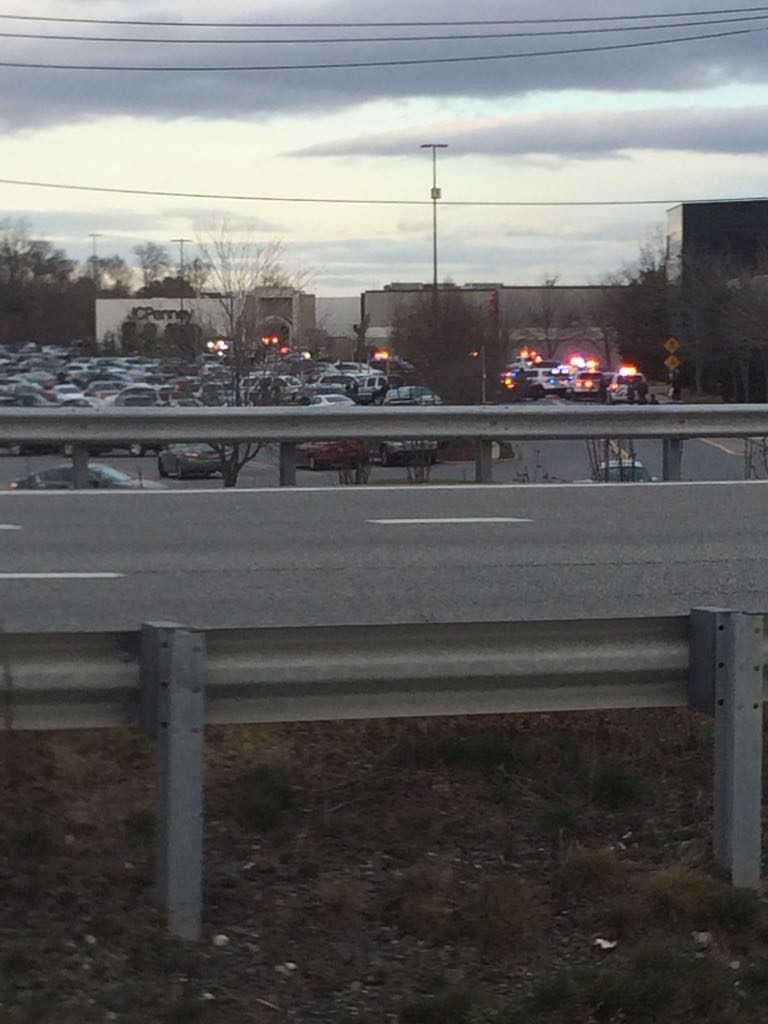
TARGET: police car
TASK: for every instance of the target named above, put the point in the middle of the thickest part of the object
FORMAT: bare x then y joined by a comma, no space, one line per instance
627,384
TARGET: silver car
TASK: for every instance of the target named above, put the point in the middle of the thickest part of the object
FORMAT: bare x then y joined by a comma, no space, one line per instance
188,460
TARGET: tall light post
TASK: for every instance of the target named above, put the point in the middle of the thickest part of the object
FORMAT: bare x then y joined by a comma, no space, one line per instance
93,235
181,242
435,194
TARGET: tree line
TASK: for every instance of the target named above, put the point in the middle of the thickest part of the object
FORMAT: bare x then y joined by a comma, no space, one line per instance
48,297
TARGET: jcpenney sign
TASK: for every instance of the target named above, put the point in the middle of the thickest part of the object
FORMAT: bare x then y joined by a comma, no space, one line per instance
148,313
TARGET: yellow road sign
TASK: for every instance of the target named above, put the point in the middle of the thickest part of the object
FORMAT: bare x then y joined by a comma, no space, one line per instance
672,362
672,345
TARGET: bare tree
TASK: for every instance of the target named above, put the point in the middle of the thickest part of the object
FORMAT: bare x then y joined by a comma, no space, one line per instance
197,272
239,263
632,310
154,262
112,274
548,314
746,329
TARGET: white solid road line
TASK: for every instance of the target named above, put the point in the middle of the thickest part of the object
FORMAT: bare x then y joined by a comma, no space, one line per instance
234,492
10,526
61,575
460,521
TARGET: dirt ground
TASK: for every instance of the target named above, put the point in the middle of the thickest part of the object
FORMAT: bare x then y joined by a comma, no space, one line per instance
520,870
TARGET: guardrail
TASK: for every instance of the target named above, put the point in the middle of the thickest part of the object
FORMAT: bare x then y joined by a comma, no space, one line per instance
170,681
485,424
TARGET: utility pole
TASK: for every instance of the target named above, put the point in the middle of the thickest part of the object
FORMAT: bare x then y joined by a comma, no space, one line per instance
435,195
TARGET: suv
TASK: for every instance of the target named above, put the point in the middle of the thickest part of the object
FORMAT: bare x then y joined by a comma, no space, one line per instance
371,389
412,395
626,387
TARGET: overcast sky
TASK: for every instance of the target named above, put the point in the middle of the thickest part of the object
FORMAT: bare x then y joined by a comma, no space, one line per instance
680,120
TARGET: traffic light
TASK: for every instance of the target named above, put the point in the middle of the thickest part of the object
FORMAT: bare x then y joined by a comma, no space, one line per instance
493,304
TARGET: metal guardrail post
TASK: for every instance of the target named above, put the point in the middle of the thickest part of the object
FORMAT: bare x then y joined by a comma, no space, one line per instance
80,478
484,462
672,459
172,713
287,464
726,682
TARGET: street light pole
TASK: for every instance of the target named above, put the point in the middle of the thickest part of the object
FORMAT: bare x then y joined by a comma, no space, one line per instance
93,235
181,242
435,194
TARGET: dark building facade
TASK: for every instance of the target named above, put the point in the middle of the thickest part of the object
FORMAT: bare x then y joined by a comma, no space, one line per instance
738,230
710,239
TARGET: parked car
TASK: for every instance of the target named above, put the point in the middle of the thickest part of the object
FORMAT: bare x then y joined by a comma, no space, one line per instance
335,401
622,471
412,395
101,477
30,400
329,454
343,383
405,453
372,389
187,460
66,392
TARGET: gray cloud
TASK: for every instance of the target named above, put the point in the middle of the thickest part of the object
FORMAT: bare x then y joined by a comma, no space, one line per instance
37,97
581,135
372,262
121,230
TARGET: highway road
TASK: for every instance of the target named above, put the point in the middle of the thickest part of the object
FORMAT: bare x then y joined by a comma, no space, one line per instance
208,558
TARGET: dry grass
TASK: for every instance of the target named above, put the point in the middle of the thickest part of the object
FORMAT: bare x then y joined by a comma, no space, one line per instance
684,894
385,860
426,898
591,869
506,910
342,897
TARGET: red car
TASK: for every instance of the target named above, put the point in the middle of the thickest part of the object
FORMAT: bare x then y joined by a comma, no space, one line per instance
329,454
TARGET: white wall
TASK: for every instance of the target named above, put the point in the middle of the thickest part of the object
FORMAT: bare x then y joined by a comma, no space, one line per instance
112,313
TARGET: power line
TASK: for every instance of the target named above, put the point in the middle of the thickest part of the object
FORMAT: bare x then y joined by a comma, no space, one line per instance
378,24
421,61
365,202
462,37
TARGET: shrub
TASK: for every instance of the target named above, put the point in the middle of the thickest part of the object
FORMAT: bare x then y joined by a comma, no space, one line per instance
262,794
425,898
615,786
587,868
684,894
505,910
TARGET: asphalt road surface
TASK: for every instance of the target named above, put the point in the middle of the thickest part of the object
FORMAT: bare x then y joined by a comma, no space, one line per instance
550,461
107,560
